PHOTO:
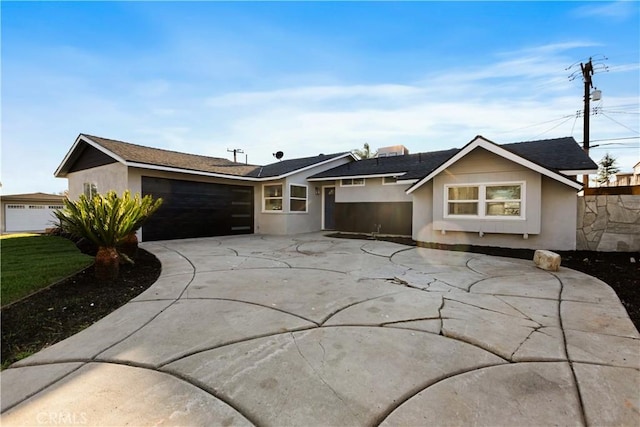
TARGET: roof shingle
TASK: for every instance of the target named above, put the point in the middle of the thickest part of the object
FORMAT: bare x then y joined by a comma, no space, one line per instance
156,156
554,154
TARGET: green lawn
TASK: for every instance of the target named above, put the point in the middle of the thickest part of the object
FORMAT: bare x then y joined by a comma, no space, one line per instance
32,262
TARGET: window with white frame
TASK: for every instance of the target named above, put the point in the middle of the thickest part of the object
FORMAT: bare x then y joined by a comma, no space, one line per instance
297,198
389,180
352,182
90,189
272,197
485,200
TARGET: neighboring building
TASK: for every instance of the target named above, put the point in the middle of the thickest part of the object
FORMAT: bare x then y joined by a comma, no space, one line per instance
29,212
521,195
624,179
395,150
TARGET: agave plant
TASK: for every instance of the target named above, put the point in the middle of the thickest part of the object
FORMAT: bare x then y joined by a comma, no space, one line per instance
106,220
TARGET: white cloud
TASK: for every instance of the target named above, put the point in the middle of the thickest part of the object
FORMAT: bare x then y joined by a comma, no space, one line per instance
618,10
520,97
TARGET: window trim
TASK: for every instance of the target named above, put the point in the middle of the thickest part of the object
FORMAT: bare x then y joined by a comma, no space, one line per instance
93,189
482,201
397,178
342,184
306,199
265,198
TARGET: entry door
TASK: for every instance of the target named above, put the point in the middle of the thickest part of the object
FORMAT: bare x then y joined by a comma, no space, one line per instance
329,196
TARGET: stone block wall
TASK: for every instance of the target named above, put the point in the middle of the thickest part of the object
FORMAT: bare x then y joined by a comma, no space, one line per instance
608,223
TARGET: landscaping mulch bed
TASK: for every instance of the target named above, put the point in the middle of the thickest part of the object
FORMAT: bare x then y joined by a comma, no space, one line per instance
614,268
71,305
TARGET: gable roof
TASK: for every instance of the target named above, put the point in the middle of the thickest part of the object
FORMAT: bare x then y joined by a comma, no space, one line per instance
400,166
541,150
560,156
151,158
133,155
286,167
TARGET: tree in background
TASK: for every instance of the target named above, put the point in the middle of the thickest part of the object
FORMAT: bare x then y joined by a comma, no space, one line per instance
365,152
106,221
606,169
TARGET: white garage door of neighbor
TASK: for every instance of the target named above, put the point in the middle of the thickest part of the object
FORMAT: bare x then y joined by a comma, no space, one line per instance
29,217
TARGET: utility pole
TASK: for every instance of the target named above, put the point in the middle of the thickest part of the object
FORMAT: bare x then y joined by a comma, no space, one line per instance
586,71
235,151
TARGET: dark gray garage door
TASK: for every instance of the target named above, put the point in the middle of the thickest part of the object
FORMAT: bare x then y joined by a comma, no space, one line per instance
197,209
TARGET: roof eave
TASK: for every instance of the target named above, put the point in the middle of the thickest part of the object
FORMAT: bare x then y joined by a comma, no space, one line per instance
480,141
378,175
61,171
191,171
578,171
293,172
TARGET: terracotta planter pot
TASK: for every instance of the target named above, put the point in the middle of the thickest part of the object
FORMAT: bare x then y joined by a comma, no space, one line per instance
107,264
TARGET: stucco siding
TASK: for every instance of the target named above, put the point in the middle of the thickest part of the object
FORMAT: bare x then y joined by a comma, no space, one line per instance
550,209
372,191
286,221
422,222
107,177
483,167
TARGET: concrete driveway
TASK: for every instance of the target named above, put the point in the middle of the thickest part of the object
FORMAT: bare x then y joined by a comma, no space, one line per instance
306,330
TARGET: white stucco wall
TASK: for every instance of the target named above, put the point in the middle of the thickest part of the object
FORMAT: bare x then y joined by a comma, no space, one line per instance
107,178
287,222
482,167
555,207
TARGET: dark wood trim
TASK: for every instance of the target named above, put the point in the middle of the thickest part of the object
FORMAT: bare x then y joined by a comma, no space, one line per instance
613,191
89,158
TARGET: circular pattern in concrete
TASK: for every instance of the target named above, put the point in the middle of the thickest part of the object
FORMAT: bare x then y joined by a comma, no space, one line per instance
308,330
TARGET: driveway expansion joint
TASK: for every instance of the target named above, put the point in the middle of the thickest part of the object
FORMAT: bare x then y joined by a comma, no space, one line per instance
304,323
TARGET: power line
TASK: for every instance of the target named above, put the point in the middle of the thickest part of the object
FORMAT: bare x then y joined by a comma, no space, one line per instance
549,130
574,124
537,124
624,126
600,147
617,139
619,112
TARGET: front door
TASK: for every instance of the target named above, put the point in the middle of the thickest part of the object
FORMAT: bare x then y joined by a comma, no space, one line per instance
329,200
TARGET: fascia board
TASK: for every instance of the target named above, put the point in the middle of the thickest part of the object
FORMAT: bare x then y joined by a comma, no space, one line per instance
66,159
379,175
496,149
407,181
83,138
579,171
195,172
293,172
460,154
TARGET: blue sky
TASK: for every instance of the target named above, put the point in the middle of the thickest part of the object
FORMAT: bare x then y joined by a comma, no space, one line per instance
306,78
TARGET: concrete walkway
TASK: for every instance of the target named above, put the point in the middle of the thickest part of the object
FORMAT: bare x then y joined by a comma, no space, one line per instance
305,330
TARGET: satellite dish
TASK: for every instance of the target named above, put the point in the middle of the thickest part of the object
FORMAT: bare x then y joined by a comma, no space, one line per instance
278,155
